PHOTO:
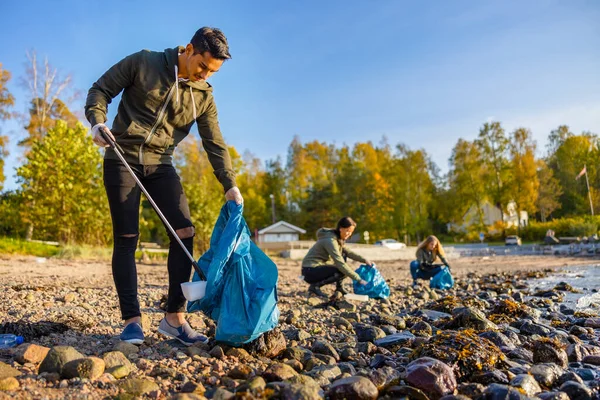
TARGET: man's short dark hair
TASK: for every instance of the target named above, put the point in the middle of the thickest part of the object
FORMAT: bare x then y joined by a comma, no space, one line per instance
211,40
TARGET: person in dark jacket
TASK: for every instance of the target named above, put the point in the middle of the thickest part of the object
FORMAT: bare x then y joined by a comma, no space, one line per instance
427,253
164,95
325,262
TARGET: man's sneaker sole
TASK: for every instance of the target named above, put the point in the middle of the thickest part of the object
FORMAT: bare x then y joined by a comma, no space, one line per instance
176,338
133,341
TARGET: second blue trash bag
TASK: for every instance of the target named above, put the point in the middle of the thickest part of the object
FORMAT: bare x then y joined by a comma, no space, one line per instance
241,290
442,280
376,287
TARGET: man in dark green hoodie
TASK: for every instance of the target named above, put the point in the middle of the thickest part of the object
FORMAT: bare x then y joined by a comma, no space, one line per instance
164,95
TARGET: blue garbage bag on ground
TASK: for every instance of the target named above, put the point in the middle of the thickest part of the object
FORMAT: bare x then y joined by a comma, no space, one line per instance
442,280
241,290
376,287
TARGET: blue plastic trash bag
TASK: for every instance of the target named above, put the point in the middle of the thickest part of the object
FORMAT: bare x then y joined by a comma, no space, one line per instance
442,280
241,290
376,287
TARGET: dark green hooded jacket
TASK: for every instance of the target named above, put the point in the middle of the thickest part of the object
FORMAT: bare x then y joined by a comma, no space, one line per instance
157,111
329,250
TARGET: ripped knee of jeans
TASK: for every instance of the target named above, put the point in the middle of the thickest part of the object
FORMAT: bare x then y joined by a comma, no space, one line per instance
126,241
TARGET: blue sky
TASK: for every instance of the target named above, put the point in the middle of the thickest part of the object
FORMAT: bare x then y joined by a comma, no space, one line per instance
419,73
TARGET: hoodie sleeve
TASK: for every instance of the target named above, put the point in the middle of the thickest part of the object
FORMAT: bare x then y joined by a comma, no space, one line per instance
215,147
421,256
117,78
353,256
333,249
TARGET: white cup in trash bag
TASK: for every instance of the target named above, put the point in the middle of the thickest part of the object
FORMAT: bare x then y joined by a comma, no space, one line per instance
194,290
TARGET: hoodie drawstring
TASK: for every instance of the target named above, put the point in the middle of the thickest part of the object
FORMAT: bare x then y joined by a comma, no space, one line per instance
191,93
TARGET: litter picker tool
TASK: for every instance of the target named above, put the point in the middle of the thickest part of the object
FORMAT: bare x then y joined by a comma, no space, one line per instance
120,153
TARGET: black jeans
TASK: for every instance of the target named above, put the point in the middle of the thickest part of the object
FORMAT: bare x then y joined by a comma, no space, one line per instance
164,185
319,274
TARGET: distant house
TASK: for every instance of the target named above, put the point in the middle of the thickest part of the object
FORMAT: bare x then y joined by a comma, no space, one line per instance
491,215
280,232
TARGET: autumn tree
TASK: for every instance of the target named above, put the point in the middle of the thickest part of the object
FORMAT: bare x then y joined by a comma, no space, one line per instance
494,146
524,184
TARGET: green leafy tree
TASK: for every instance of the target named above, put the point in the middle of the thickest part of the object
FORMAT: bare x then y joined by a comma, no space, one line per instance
61,184
494,145
467,179
549,191
569,159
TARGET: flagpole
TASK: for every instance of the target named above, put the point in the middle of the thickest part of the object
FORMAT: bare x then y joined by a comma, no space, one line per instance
589,193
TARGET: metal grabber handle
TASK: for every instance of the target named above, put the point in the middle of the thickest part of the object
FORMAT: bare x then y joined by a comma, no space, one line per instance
120,153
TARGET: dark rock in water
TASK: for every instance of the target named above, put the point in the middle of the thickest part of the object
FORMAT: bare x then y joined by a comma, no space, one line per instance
550,294
421,328
527,384
521,370
471,390
591,359
546,374
592,323
576,391
400,392
466,351
493,376
553,396
432,376
324,347
455,397
518,296
499,339
531,328
354,387
367,333
568,376
586,374
549,351
467,317
270,345
385,377
565,287
580,331
396,341
502,392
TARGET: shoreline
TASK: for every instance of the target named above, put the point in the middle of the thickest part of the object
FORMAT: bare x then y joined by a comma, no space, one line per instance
81,295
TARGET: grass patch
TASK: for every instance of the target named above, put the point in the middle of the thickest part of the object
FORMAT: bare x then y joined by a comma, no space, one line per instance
20,246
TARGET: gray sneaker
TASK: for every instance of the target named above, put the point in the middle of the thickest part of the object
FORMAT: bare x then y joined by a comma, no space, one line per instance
185,334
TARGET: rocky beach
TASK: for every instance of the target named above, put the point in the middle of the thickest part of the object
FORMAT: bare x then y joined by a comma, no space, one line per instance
494,336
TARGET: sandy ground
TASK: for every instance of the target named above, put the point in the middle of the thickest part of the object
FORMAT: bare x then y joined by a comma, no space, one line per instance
35,289
43,272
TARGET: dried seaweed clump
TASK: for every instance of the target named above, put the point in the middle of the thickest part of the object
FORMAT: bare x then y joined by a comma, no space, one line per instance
511,308
466,352
446,304
33,330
